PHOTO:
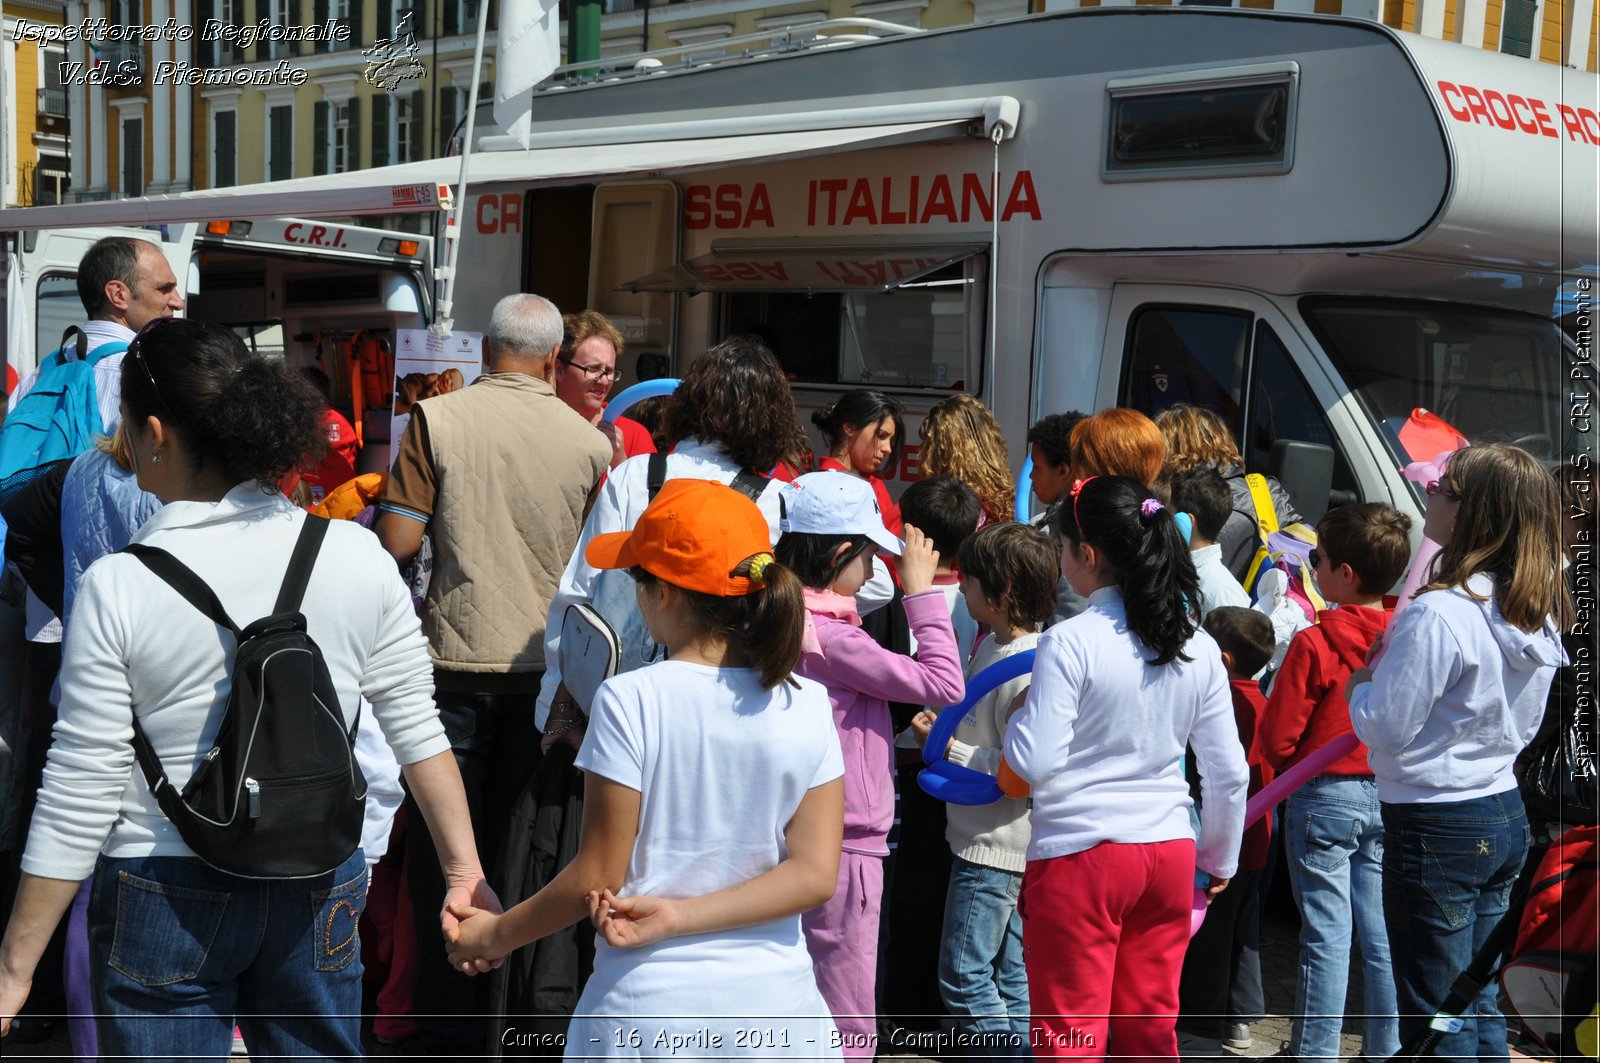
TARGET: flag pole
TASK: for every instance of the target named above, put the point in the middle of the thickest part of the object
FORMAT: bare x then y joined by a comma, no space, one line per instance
445,321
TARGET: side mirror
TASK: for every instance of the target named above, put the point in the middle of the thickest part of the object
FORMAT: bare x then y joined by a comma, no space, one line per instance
1306,472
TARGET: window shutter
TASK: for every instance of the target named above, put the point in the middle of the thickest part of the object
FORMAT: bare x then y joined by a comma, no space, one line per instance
223,148
449,98
281,131
133,157
385,21
319,15
1516,27
380,129
419,128
319,137
494,15
452,17
352,138
208,49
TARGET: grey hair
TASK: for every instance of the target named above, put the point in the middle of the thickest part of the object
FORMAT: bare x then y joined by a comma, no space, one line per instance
524,326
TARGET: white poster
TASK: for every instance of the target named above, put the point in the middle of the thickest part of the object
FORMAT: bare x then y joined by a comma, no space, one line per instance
426,365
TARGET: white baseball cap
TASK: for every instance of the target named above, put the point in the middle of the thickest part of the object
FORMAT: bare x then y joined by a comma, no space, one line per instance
836,503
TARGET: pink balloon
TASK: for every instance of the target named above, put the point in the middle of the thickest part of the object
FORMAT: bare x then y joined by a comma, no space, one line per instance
1263,802
1290,781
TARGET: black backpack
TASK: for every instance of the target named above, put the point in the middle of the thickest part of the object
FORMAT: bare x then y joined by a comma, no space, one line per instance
280,794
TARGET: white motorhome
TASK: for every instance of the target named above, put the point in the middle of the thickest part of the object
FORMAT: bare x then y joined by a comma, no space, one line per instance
1314,225
308,290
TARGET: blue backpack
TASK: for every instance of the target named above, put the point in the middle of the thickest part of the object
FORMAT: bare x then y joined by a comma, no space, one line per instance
58,418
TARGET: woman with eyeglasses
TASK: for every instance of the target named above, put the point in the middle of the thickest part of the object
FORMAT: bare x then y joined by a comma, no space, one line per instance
179,948
586,371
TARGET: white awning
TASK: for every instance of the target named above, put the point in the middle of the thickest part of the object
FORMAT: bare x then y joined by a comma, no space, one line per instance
422,187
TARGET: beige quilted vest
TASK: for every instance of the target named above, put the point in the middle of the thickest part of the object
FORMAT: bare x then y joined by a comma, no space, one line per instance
513,466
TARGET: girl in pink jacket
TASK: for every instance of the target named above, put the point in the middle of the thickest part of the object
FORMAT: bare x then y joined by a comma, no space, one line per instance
831,529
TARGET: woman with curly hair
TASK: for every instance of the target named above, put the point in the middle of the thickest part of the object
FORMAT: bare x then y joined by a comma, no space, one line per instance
180,948
961,438
1197,436
732,414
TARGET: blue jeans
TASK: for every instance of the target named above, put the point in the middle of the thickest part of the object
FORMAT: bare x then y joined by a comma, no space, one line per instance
179,949
982,977
1334,831
1448,872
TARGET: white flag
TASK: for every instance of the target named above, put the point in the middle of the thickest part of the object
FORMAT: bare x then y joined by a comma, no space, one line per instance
529,50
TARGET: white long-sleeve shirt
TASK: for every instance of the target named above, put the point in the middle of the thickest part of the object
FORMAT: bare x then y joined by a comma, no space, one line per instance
136,646
1458,694
622,500
1102,734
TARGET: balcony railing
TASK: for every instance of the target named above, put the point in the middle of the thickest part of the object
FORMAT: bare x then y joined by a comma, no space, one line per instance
53,102
118,52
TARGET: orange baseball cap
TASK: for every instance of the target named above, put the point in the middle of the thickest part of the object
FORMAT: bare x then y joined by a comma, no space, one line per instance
693,536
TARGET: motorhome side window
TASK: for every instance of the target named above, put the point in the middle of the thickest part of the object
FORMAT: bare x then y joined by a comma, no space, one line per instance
1228,124
925,334
1492,376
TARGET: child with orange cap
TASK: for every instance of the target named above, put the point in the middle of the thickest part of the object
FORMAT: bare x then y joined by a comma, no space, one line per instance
720,724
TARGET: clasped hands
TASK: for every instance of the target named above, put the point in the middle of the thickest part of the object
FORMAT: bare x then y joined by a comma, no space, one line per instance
472,931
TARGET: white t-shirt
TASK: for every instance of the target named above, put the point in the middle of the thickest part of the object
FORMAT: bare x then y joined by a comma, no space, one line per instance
721,765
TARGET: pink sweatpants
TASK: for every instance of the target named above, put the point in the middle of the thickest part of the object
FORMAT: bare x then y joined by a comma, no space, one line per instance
842,937
1103,936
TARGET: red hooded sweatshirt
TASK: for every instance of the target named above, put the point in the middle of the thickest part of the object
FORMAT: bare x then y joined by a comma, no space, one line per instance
1248,709
1307,708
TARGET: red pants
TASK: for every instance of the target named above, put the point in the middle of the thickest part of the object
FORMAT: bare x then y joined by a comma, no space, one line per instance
1103,934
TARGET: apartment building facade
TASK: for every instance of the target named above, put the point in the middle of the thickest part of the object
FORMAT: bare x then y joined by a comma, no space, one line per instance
34,162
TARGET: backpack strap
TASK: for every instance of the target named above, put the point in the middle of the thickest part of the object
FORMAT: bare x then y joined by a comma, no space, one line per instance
1261,500
657,474
304,558
750,484
198,593
82,344
181,578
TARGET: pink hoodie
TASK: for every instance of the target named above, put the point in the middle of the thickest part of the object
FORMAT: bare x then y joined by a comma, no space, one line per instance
862,678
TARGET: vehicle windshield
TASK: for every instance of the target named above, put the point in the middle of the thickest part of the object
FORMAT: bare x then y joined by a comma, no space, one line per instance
1491,376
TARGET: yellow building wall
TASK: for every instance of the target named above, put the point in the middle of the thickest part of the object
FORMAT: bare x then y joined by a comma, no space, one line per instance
25,110
1594,42
1553,45
250,143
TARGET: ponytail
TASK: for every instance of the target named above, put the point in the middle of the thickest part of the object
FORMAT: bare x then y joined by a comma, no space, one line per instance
769,641
1138,538
762,628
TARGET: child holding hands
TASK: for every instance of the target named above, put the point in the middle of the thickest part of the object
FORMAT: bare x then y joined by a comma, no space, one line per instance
716,750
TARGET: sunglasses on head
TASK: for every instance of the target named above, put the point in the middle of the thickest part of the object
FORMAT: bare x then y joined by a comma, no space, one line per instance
1314,559
136,352
1442,489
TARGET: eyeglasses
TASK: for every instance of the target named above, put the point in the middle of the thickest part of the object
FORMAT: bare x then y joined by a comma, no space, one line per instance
1438,488
595,372
136,352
